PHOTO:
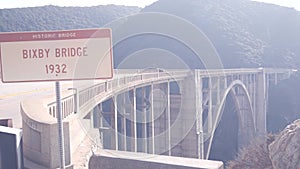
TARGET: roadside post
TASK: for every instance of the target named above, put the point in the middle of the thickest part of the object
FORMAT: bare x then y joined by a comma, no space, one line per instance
56,56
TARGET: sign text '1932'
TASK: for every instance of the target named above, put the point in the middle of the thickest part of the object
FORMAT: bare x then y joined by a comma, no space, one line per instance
56,68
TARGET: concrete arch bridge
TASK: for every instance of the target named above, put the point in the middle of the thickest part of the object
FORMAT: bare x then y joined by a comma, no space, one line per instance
169,112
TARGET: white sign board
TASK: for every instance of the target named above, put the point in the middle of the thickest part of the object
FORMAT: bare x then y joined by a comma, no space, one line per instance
56,56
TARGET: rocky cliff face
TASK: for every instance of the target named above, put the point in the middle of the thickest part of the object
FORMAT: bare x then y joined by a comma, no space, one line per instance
276,152
285,149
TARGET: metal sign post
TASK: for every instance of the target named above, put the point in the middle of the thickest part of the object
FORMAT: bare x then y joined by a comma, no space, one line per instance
60,126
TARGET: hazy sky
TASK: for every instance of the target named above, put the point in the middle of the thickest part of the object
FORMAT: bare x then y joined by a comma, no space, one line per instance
140,3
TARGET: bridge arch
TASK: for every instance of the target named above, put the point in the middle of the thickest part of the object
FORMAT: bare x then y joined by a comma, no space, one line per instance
235,88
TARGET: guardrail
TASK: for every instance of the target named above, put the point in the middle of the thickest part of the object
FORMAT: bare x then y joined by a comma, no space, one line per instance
215,72
67,104
120,81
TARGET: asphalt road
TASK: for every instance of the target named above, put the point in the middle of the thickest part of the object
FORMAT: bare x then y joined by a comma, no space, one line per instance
11,95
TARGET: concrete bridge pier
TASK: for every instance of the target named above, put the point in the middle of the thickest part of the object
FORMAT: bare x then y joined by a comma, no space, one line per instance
262,84
160,118
185,129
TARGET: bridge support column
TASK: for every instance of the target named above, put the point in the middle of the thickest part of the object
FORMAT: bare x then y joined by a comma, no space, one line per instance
152,119
210,105
129,109
160,119
187,117
169,119
251,86
122,115
134,120
116,122
261,103
142,145
123,133
113,124
145,120
199,115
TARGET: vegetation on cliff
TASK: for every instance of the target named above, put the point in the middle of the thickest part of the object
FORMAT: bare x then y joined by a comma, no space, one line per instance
279,151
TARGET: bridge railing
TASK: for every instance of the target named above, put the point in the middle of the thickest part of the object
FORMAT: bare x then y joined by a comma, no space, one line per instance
133,77
67,105
121,80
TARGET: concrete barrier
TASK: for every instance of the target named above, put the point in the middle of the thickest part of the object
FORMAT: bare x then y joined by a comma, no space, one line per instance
109,159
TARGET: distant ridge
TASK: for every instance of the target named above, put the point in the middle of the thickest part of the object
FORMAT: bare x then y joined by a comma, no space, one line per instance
58,18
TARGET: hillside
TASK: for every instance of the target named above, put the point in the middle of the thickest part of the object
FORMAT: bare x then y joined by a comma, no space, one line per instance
245,33
58,18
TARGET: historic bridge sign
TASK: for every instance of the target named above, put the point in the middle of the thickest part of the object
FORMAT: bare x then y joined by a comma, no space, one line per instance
56,55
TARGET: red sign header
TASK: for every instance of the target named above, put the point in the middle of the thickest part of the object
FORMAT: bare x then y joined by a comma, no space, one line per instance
54,35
